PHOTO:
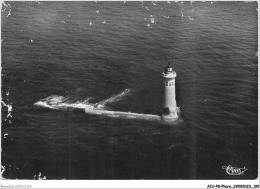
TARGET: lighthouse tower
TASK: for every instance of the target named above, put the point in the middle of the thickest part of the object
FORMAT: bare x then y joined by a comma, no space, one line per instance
169,105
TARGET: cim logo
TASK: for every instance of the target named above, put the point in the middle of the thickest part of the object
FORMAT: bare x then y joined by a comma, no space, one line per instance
170,83
234,170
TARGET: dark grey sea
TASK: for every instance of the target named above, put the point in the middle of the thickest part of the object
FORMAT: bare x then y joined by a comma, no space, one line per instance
79,53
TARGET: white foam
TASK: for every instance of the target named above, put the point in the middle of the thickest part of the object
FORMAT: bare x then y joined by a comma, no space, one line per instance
39,176
6,5
44,104
2,171
9,107
9,13
3,3
60,102
114,98
39,3
190,18
182,12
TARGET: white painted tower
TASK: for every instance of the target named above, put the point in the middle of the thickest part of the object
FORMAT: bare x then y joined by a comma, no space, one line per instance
169,105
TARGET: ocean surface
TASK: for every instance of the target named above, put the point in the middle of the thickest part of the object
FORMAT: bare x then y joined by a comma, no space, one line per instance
61,57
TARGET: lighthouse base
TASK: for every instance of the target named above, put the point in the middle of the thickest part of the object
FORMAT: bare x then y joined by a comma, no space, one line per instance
170,117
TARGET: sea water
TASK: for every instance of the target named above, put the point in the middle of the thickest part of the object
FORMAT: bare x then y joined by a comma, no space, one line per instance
59,58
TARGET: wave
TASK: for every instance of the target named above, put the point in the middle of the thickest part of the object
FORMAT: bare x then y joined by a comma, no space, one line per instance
60,102
113,99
